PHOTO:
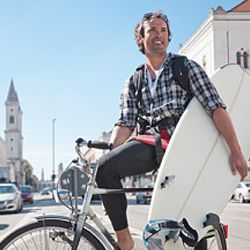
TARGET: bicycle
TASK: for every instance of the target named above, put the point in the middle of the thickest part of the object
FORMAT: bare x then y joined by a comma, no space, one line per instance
73,232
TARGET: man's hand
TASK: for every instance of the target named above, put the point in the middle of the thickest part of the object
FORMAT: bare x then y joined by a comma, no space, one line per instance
239,164
224,125
119,135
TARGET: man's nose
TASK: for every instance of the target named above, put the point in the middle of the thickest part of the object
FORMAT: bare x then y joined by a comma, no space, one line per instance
158,33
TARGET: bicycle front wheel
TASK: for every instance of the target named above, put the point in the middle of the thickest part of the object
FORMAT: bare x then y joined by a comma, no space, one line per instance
49,234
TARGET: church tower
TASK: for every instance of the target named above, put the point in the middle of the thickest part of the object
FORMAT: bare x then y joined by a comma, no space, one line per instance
13,136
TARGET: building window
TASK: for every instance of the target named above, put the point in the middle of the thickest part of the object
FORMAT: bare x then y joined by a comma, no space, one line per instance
11,144
242,58
12,120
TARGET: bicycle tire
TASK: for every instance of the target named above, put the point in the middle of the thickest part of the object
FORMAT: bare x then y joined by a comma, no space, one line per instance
49,234
218,241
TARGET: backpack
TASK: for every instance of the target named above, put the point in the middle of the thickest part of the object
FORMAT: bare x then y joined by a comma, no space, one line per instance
180,74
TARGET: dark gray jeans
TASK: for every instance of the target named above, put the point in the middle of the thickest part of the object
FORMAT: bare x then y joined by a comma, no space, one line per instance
132,158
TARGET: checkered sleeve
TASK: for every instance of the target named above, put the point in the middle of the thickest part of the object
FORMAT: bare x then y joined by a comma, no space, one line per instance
128,105
203,88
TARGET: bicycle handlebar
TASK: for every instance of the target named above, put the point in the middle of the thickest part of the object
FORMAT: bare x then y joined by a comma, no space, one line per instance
99,145
93,144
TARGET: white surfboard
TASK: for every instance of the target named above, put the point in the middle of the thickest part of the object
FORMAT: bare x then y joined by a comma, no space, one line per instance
198,157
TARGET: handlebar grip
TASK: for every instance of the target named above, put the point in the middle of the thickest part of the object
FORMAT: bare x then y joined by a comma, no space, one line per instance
99,145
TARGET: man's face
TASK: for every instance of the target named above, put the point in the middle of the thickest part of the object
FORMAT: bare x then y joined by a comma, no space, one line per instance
156,37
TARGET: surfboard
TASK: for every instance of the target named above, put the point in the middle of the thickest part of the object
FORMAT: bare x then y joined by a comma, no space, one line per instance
197,158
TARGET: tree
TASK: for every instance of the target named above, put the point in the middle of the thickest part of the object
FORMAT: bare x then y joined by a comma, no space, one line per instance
28,173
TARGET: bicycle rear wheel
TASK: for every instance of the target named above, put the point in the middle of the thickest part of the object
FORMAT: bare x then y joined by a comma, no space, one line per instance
49,234
218,241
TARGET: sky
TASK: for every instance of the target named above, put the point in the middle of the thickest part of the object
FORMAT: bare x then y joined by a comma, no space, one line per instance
69,60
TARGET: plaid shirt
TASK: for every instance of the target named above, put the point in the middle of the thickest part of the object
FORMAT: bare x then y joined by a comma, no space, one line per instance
169,99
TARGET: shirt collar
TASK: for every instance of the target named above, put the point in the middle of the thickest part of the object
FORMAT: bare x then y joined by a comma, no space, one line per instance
168,59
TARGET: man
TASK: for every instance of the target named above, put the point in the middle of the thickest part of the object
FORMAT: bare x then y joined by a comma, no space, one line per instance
161,99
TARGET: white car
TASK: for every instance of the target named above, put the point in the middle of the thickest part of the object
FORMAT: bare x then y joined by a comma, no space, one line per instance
242,192
45,191
10,198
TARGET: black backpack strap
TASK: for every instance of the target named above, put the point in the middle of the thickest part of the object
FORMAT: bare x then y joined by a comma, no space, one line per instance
158,149
180,73
137,80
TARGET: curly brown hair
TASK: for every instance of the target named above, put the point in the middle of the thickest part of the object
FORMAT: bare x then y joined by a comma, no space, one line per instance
139,29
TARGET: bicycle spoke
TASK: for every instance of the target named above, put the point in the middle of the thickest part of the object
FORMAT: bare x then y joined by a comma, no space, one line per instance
24,243
40,237
33,240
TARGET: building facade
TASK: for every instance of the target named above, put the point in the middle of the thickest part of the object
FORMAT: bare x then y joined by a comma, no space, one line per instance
223,38
11,149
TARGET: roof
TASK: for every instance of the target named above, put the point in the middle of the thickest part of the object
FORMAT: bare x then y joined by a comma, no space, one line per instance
241,7
12,95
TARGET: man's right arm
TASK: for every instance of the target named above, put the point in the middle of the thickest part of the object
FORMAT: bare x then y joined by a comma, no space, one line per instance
119,135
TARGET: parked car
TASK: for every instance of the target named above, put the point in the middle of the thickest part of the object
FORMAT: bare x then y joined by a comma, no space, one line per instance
10,198
26,193
242,192
144,197
63,193
45,191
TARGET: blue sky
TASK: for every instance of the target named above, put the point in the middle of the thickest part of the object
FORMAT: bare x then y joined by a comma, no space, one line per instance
69,60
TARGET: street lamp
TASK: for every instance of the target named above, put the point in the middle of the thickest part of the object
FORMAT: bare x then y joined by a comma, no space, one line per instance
53,153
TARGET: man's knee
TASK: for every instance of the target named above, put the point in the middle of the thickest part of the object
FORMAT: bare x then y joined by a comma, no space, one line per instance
100,176
106,176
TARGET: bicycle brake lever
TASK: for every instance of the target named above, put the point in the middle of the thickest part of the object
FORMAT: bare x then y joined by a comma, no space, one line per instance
81,142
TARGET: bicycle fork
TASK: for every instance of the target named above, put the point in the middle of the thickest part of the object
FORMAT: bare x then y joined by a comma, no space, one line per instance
82,217
86,212
103,230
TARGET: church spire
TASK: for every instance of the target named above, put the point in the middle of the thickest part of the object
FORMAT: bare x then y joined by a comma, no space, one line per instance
12,95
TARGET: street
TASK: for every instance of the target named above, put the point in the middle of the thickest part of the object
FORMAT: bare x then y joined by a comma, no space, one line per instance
236,215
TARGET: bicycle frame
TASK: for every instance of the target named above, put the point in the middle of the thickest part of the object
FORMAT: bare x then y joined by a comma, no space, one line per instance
80,217
91,189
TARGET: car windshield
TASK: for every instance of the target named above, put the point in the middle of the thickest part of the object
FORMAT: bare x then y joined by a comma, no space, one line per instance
25,189
6,190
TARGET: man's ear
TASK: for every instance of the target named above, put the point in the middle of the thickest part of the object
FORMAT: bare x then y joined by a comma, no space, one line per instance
141,40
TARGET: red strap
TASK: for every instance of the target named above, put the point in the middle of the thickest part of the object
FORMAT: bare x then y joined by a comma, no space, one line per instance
165,135
150,139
